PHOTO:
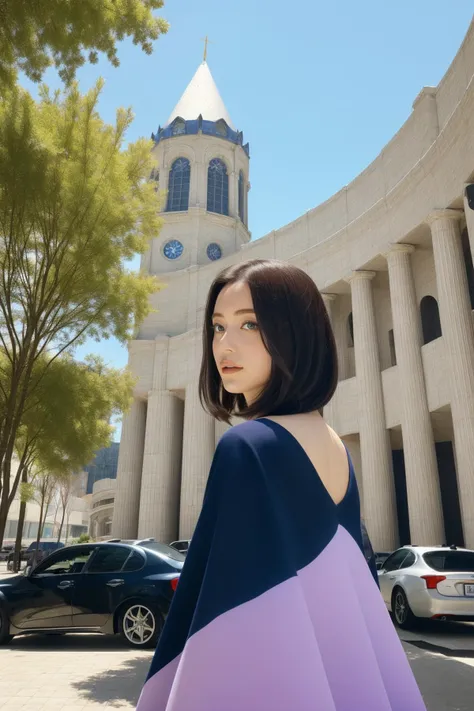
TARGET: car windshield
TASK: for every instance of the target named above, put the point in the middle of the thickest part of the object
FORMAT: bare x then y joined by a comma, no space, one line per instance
163,549
451,561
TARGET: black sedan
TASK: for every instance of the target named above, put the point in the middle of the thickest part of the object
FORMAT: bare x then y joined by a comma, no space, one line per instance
115,587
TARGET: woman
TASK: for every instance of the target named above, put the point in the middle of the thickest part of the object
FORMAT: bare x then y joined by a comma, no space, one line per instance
276,608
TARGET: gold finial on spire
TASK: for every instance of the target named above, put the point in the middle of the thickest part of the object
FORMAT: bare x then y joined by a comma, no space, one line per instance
206,42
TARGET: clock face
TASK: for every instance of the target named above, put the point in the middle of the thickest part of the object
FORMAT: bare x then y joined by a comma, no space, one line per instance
173,249
214,252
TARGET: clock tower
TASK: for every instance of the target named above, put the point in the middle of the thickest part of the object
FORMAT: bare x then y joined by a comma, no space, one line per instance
201,170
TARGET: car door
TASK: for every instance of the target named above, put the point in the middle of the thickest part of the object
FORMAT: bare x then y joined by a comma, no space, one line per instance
111,576
388,574
45,602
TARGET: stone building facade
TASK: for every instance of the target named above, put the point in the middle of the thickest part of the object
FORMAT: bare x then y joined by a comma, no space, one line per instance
392,252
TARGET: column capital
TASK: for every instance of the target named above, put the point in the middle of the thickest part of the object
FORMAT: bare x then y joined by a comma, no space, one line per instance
328,297
399,248
360,275
446,214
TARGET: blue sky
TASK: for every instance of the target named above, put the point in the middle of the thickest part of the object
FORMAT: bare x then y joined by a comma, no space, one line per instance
324,86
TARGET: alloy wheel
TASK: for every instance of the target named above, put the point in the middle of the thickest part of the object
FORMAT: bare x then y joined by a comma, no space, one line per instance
139,624
401,609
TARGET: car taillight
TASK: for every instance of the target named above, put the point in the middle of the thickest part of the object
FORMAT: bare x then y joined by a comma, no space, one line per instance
174,583
433,580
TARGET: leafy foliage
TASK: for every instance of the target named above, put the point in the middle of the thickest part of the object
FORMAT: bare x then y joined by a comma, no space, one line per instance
35,35
74,206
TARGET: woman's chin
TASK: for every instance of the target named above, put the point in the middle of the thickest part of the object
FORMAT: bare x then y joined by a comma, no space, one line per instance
232,388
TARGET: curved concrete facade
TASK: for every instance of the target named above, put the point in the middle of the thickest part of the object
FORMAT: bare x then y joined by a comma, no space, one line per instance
402,231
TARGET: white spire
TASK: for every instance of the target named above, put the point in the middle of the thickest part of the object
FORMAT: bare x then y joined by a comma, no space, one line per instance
201,98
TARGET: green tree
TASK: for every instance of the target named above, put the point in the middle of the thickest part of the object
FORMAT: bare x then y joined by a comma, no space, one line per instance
36,35
74,206
65,421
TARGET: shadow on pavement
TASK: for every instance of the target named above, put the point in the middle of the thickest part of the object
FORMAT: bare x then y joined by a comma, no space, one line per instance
70,643
445,683
116,686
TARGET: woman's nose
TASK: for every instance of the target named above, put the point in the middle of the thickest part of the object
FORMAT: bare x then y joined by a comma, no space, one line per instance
227,343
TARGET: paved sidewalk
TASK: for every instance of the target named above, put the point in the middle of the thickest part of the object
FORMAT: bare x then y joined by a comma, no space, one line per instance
70,673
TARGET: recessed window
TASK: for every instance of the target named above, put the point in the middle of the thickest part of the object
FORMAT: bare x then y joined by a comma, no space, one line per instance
221,128
350,331
430,321
391,343
179,127
241,197
178,186
217,187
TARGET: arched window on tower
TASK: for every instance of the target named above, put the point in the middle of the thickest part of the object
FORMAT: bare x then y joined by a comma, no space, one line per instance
430,322
179,127
221,128
178,186
217,187
350,331
241,197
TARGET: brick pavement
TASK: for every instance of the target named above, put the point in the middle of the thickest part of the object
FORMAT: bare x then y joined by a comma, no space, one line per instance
70,673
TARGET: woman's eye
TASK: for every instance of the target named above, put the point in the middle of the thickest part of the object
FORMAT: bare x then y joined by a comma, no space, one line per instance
250,326
217,328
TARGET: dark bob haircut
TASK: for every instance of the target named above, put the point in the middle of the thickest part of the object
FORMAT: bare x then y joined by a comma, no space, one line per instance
296,332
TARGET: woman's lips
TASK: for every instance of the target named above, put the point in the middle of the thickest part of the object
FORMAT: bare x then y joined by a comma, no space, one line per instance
228,370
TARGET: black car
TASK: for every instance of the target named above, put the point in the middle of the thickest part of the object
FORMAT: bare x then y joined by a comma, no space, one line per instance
35,553
5,552
114,588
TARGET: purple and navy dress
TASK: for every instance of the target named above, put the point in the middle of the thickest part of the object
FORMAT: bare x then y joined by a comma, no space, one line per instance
276,608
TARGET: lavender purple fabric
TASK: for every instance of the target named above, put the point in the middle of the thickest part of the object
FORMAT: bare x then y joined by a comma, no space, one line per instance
303,628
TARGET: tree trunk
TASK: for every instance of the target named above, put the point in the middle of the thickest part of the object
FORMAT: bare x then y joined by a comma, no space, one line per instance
62,523
40,530
7,493
19,535
3,514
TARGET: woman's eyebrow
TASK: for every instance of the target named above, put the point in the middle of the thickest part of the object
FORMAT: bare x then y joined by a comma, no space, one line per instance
236,313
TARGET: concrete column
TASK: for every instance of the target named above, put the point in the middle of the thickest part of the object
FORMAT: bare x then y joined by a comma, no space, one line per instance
198,449
421,467
469,214
220,429
129,472
352,443
458,334
329,300
339,328
378,483
161,477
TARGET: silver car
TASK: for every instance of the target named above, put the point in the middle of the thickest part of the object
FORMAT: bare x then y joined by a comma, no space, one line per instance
435,583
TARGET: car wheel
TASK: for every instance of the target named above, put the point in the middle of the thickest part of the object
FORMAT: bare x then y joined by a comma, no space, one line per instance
402,613
5,637
140,625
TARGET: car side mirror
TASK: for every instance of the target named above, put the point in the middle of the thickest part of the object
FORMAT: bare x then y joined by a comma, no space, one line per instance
28,570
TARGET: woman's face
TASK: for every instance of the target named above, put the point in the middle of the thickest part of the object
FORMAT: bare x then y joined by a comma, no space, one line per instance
242,360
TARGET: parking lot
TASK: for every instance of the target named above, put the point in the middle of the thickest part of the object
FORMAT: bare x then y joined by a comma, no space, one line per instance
76,672
70,673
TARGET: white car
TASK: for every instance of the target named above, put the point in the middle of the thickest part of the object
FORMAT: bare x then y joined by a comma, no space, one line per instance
435,583
181,546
